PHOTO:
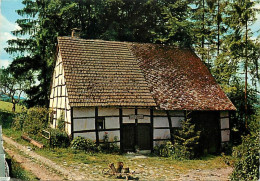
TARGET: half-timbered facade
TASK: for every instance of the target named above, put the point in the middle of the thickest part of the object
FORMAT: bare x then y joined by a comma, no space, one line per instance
138,93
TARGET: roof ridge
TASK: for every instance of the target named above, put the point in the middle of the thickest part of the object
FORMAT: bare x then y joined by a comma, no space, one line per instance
126,42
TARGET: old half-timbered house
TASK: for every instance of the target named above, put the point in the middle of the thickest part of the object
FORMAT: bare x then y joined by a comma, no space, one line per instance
137,92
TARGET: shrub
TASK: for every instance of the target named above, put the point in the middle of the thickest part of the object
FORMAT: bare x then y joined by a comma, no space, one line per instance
247,154
32,121
164,150
114,146
110,147
61,122
80,143
6,119
59,138
19,120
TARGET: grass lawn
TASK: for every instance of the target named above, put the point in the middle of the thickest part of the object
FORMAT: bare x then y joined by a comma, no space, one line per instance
73,157
7,107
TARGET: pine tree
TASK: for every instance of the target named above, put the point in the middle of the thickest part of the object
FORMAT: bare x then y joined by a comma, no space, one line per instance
186,139
43,21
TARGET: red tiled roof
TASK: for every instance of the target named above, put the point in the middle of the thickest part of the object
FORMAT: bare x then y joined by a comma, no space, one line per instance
108,73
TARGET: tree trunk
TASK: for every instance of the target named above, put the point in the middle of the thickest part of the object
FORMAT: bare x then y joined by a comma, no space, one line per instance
246,62
14,103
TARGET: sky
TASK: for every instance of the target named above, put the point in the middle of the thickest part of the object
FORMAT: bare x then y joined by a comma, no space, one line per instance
8,16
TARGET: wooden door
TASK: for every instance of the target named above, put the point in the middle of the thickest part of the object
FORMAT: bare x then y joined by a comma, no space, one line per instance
208,124
136,135
144,136
128,137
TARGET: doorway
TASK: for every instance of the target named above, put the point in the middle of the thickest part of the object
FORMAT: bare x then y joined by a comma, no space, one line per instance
136,135
208,124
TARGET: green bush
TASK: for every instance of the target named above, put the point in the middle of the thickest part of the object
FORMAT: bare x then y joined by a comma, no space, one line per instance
59,138
19,120
165,149
109,147
32,121
80,143
246,166
61,122
6,119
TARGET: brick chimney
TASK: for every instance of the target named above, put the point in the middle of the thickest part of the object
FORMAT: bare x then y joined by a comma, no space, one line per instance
75,33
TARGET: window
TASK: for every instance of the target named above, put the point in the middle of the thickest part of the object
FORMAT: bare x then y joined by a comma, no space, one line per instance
101,122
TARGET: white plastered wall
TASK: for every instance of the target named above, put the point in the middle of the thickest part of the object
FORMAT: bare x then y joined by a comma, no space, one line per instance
59,101
84,121
161,124
224,126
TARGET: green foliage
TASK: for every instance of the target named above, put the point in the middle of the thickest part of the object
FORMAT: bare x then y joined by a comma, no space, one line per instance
6,119
59,138
80,143
109,147
32,121
174,25
165,149
19,119
185,140
61,122
247,154
238,118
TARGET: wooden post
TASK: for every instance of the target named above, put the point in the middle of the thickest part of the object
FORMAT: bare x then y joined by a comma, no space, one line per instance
135,130
96,125
220,130
151,131
72,127
121,129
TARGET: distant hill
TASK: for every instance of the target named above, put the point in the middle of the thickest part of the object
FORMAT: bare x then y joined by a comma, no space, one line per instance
4,97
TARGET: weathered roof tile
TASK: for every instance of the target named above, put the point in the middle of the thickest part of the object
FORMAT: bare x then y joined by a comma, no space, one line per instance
108,73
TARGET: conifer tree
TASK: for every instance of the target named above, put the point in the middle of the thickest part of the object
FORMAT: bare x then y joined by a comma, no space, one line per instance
186,139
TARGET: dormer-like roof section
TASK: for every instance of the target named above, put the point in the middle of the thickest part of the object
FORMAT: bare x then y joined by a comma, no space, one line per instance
109,73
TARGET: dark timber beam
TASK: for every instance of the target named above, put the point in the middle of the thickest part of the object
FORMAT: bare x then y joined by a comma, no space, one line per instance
135,129
96,125
121,128
71,119
151,130
170,125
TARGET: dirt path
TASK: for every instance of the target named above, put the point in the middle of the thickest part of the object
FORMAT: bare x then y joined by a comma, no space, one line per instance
39,170
68,173
39,166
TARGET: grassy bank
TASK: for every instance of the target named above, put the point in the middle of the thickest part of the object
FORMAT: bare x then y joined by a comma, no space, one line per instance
16,171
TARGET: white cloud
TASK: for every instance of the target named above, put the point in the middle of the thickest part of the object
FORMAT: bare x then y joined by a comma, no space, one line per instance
4,63
256,26
5,34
